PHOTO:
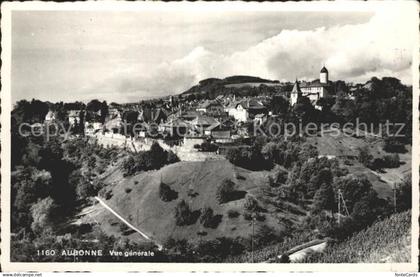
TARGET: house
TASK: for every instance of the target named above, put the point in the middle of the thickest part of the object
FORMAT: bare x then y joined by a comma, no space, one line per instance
189,115
201,122
92,127
243,110
219,132
175,127
238,112
209,106
49,117
114,125
114,112
142,129
260,118
158,116
74,116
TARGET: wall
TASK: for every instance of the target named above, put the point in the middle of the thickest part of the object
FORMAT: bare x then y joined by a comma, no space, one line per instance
185,151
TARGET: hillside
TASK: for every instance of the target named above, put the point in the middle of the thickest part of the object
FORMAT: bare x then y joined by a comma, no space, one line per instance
137,199
385,241
346,148
232,82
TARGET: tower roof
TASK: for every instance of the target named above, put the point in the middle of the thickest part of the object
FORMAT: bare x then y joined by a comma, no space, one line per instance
324,70
296,88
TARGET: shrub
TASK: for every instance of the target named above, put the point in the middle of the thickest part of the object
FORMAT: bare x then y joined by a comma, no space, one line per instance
251,204
225,191
394,146
155,158
284,259
184,215
257,216
233,214
392,161
365,157
166,193
106,193
172,157
209,220
281,176
208,147
240,177
128,190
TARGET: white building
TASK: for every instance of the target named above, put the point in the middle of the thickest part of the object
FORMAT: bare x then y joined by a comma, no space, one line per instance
74,117
238,111
50,116
313,90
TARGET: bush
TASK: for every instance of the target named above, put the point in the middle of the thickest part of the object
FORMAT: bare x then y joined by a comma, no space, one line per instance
184,215
166,193
208,147
225,191
257,216
128,190
392,145
392,161
251,204
233,214
365,157
209,220
172,157
106,193
155,158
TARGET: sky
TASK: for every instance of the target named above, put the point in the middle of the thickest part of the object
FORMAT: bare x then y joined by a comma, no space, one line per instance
131,55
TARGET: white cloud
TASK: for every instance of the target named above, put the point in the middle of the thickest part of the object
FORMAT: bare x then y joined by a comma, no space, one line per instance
70,58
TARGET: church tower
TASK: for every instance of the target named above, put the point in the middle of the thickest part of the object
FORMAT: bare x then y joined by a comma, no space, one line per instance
323,76
295,94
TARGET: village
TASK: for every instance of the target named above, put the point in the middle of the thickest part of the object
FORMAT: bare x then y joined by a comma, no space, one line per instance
195,129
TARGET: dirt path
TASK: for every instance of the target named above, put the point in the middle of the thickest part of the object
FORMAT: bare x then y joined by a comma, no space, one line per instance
301,254
102,202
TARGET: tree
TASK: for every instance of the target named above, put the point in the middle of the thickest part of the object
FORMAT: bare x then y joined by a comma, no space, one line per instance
279,105
94,105
172,157
324,199
365,157
166,193
304,109
251,204
208,219
184,215
104,111
158,155
343,107
234,156
43,214
404,193
225,191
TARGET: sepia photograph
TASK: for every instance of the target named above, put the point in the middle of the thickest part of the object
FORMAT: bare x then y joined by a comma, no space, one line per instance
244,136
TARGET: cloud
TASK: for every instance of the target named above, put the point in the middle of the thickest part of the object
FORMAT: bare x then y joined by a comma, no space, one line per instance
66,56
380,47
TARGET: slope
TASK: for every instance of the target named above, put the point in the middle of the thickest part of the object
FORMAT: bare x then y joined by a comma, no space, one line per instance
385,241
137,200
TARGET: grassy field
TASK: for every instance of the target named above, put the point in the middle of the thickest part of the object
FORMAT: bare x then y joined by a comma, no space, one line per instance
137,199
